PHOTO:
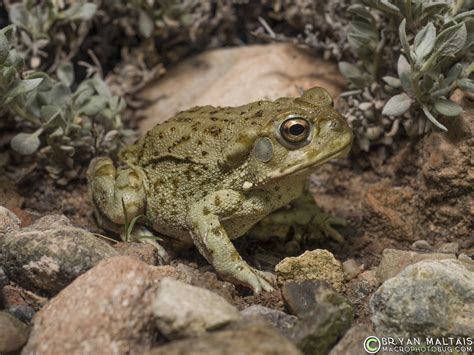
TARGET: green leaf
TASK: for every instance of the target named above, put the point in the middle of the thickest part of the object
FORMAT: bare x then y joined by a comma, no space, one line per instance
145,24
65,73
19,15
466,84
397,105
60,94
8,32
451,41
402,65
24,86
404,40
100,86
448,108
424,41
94,106
389,7
392,81
4,48
453,74
80,11
432,119
352,73
26,143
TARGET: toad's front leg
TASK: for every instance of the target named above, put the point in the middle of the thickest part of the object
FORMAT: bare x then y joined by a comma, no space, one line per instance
212,240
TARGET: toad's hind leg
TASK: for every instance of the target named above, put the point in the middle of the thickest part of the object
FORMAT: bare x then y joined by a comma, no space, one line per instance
118,195
304,218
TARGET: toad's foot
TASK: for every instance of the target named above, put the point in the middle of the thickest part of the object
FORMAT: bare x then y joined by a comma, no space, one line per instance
214,244
142,234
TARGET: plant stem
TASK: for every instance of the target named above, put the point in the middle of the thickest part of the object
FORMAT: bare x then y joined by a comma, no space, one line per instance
23,113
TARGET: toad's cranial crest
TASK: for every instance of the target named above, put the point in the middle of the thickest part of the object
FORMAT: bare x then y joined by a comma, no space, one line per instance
208,174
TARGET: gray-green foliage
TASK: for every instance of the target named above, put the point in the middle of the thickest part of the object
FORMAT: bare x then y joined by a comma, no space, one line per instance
51,26
421,50
72,122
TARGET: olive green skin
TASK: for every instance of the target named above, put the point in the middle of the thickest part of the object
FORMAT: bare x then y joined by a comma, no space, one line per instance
203,177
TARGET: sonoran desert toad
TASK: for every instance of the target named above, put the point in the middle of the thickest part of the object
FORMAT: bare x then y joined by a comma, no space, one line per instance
208,174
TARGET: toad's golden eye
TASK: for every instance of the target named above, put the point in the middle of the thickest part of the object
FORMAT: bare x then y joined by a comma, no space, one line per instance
295,130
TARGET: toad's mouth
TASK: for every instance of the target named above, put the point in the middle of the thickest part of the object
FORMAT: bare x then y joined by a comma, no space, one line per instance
311,164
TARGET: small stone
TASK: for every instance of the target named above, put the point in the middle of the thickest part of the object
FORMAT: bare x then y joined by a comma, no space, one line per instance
351,342
9,222
23,312
280,320
364,106
3,279
49,254
421,245
106,310
144,252
430,298
449,248
316,264
13,333
182,310
250,340
324,315
393,261
351,269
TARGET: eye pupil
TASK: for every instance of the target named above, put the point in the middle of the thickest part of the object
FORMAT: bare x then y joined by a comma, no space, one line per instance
296,129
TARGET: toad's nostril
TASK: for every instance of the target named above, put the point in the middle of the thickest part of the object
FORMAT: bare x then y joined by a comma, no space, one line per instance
335,125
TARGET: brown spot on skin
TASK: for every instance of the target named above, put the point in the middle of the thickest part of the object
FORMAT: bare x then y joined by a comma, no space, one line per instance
259,113
204,153
214,119
216,230
213,130
205,211
172,129
160,135
217,201
277,188
199,142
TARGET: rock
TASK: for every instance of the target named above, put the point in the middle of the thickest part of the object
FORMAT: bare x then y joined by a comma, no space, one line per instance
393,261
429,298
206,279
449,248
351,269
49,254
394,210
182,310
12,296
23,312
13,333
324,315
359,290
142,251
9,222
351,342
421,245
316,264
105,310
250,340
279,70
280,320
